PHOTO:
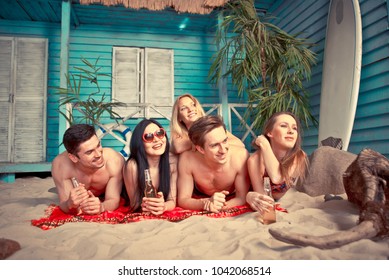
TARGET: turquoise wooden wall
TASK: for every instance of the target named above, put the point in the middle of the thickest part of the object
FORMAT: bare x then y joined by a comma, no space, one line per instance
371,126
193,49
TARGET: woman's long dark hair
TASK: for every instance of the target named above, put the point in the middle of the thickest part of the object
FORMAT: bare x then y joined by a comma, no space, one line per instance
138,153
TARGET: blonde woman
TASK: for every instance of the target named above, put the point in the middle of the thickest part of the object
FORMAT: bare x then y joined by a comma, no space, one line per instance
186,110
279,157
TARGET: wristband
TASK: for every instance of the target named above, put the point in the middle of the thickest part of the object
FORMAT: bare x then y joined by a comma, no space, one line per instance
207,205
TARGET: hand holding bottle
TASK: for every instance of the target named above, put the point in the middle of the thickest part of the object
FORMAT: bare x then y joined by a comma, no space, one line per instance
92,205
259,202
77,195
150,190
269,216
154,205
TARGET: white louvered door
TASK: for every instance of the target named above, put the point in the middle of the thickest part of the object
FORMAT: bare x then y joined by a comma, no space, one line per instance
6,54
23,86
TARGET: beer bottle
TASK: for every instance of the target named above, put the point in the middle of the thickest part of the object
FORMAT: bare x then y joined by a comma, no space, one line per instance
268,217
150,190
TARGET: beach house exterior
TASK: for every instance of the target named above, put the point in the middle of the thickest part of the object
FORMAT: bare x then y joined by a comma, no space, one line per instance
41,41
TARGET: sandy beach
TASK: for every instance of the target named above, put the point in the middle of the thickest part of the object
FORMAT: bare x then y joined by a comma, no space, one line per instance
195,238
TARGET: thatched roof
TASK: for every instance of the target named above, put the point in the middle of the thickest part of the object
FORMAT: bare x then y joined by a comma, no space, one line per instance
181,6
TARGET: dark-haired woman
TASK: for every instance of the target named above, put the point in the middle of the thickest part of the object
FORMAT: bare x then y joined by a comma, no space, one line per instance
149,149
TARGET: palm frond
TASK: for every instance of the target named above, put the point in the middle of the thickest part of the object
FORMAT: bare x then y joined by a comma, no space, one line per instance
90,107
265,63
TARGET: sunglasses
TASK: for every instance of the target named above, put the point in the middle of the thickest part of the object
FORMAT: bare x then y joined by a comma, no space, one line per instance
149,137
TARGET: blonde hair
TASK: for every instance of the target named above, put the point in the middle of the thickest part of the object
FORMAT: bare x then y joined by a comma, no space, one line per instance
177,127
294,156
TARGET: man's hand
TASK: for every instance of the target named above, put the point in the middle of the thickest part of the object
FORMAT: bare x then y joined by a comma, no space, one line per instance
91,205
76,197
154,205
216,202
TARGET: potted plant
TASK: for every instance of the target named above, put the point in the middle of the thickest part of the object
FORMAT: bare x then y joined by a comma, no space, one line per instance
264,62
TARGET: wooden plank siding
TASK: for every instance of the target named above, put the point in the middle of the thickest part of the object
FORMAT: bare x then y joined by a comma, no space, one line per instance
193,50
371,126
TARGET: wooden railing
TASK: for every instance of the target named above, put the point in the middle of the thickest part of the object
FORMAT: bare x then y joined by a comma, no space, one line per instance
232,111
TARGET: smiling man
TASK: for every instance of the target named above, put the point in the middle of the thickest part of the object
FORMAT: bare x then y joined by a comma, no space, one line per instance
214,176
98,171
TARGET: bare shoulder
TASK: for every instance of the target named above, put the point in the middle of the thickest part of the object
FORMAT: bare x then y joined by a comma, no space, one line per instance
62,168
239,153
130,173
187,159
131,166
114,160
60,158
111,154
191,156
187,155
61,163
173,161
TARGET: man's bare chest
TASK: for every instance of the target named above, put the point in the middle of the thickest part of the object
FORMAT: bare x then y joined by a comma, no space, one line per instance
95,182
216,181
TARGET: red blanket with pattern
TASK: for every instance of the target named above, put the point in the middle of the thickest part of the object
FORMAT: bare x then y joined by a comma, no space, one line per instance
54,217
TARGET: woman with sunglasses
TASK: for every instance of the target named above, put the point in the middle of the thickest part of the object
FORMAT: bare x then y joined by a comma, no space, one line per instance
186,110
149,149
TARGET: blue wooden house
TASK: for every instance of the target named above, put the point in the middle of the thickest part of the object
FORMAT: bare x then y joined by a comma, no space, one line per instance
152,55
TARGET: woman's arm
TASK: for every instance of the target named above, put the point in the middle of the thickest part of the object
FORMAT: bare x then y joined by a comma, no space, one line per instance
180,144
130,177
271,163
257,199
171,200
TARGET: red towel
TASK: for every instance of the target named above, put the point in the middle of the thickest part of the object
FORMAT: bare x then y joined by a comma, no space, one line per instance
54,217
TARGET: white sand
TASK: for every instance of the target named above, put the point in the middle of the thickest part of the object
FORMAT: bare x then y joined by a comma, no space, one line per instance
196,238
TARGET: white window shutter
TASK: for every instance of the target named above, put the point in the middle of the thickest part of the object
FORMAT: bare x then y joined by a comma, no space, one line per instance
126,72
30,100
159,81
6,48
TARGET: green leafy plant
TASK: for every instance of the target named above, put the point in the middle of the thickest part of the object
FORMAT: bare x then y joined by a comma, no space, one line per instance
264,62
91,106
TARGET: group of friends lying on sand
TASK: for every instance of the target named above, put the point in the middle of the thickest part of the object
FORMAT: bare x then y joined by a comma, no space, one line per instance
202,167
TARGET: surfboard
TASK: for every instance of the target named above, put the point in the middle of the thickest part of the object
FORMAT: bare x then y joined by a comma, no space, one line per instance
341,71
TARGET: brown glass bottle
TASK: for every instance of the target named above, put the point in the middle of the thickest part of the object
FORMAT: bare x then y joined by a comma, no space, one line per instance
268,217
150,190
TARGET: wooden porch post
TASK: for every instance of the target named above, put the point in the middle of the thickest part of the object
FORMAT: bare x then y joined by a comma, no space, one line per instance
223,94
64,64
